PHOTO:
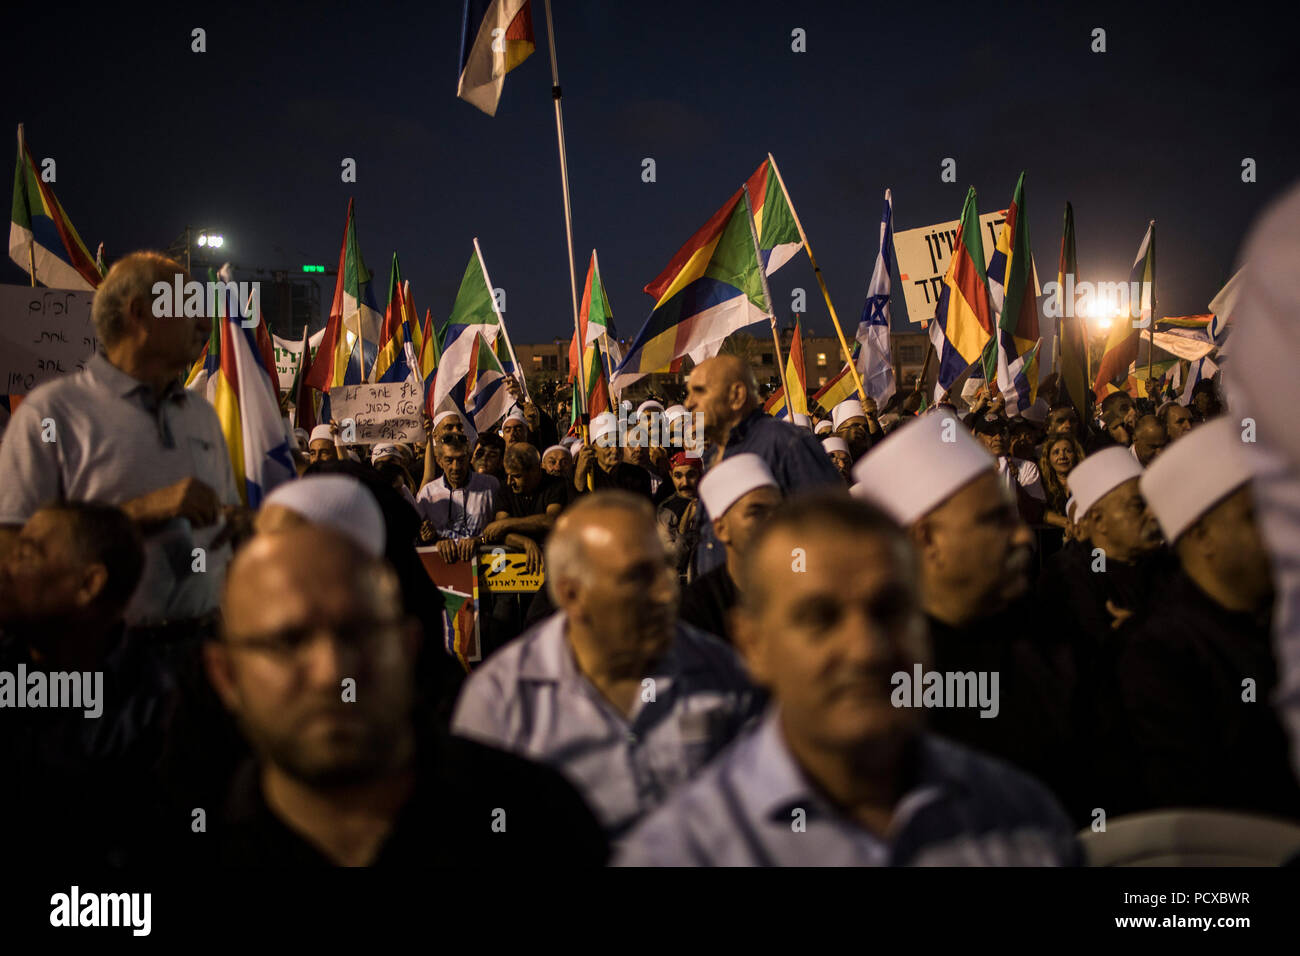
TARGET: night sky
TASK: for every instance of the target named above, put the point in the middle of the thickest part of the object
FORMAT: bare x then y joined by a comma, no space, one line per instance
248,137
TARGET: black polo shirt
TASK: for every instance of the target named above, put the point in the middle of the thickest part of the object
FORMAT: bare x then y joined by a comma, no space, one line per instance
549,492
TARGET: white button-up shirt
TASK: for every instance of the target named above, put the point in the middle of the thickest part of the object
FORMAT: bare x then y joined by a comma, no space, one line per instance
459,512
754,806
531,698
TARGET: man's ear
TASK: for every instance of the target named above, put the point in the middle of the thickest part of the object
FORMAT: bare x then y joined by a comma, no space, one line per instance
737,394
93,579
922,535
216,661
722,531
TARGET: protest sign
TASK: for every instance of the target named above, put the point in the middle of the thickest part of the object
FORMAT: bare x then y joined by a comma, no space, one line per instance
286,356
388,411
44,333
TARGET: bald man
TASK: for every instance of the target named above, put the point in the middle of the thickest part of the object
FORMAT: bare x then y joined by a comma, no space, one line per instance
722,391
1149,439
612,690
315,662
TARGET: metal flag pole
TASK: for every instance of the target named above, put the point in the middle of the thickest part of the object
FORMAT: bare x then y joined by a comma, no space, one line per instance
767,294
821,281
1151,329
568,209
501,320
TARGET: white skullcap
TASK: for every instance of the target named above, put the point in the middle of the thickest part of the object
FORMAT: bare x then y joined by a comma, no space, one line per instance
841,413
803,421
731,479
555,448
674,412
443,416
648,405
338,502
321,432
1071,507
301,433
575,448
835,443
603,424
823,426
388,450
1099,474
920,467
568,440
1195,473
515,416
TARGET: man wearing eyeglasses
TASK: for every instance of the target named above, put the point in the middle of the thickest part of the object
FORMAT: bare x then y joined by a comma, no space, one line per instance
315,662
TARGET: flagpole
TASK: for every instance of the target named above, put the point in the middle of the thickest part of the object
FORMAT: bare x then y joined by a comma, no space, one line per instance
501,319
31,245
564,185
835,319
767,294
1151,329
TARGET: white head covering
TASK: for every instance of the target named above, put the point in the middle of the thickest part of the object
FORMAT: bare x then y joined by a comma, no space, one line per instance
575,448
338,502
1071,507
648,405
1195,473
674,412
443,415
921,465
841,413
555,448
835,443
301,438
731,479
1099,474
603,425
321,432
823,426
389,450
515,416
803,421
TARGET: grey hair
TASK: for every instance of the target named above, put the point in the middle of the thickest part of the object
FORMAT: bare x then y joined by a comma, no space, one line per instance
565,555
132,277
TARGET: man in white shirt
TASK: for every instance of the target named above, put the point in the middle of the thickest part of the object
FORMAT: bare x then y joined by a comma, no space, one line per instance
455,508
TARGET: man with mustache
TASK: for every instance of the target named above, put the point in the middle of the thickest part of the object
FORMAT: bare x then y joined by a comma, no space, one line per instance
611,690
936,481
837,774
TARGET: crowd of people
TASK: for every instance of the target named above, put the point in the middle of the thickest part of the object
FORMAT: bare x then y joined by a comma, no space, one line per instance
880,635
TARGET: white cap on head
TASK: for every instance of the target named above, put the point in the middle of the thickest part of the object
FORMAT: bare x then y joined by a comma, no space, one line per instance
841,413
835,443
731,479
443,416
555,448
803,421
649,405
1099,474
1071,507
515,416
603,425
575,448
674,412
823,426
321,432
388,450
920,467
338,502
1195,473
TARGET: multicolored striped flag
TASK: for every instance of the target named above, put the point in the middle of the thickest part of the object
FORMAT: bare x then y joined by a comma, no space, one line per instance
841,386
796,375
247,402
1076,370
711,287
338,360
474,311
585,362
1122,343
875,361
430,353
41,237
304,397
963,318
482,393
495,37
1014,358
397,357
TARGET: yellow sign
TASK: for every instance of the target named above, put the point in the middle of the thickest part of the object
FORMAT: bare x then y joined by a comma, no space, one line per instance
504,572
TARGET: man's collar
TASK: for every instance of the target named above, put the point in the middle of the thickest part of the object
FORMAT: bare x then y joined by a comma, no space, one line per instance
742,427
124,385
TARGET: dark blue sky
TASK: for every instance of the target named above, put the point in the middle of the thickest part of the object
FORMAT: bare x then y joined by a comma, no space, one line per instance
249,136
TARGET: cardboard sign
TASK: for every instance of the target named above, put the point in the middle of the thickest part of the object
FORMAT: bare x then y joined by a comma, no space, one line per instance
923,256
390,411
506,574
286,356
44,333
